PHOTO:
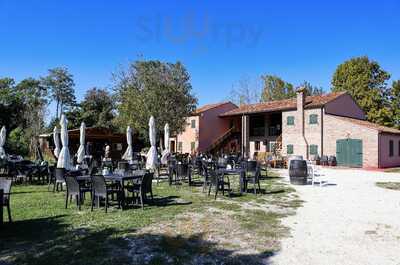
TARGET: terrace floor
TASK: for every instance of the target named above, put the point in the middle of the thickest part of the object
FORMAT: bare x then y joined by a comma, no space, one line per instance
184,226
352,221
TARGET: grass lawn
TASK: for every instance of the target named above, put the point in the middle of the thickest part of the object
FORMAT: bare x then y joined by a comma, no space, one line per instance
393,170
184,226
389,185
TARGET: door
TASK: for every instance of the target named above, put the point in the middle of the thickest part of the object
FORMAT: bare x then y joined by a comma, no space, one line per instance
349,152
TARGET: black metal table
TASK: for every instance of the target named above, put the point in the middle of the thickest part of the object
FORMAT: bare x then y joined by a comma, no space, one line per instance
234,172
120,179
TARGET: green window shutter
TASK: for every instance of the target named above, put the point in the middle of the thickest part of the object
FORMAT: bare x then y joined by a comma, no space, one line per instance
290,120
313,149
313,119
192,146
193,123
289,148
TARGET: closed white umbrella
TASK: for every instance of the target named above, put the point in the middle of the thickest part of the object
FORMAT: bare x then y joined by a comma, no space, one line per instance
164,158
151,161
81,150
2,142
64,160
128,155
56,140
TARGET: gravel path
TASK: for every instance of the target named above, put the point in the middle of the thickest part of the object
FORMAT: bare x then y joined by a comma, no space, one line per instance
352,222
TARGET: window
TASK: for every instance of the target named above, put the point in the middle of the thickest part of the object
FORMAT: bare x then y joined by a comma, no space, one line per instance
192,146
289,148
179,146
193,123
391,147
313,149
290,120
399,148
257,145
313,119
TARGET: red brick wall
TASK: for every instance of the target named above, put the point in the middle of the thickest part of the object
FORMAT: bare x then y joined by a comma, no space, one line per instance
384,158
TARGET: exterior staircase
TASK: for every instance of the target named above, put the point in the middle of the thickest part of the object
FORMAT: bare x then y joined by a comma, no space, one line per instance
221,140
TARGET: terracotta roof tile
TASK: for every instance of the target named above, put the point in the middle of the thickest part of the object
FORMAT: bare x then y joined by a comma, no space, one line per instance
209,106
286,104
370,125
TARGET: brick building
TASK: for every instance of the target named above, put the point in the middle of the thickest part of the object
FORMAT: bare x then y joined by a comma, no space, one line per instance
330,124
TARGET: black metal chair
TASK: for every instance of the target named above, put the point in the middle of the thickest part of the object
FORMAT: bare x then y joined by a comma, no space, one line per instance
222,162
253,177
74,189
172,171
144,187
324,160
206,168
332,161
101,190
51,176
218,182
5,185
59,174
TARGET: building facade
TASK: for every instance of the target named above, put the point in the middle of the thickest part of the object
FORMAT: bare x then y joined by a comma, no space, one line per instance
331,124
202,129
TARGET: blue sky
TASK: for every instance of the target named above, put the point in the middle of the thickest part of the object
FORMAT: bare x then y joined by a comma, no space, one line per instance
219,43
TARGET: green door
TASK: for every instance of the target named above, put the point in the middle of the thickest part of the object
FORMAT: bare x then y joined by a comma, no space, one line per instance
349,152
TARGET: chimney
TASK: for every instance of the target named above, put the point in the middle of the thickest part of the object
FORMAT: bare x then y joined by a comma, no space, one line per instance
301,99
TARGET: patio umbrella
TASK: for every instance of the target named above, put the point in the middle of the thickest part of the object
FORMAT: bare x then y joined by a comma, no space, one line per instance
64,160
81,150
151,161
2,141
56,140
128,155
164,158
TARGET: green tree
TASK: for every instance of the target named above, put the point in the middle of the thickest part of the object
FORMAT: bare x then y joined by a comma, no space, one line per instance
312,90
35,103
395,103
11,105
276,89
155,88
245,91
61,84
365,81
98,108
17,142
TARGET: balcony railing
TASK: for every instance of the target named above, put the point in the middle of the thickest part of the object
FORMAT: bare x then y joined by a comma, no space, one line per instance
257,131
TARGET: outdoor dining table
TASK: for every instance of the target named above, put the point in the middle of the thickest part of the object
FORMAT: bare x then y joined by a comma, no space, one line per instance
234,172
117,178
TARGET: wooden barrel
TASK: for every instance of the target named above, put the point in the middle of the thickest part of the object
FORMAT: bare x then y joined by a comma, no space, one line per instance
298,172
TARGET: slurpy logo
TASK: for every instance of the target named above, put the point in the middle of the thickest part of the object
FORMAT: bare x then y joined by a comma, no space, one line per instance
197,31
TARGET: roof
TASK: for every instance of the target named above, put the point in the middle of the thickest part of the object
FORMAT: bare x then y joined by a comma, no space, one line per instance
286,104
370,125
210,106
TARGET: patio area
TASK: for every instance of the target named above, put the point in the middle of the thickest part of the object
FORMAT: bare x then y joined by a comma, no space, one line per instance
182,226
350,221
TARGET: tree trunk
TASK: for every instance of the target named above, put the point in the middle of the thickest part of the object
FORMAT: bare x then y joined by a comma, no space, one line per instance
58,103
